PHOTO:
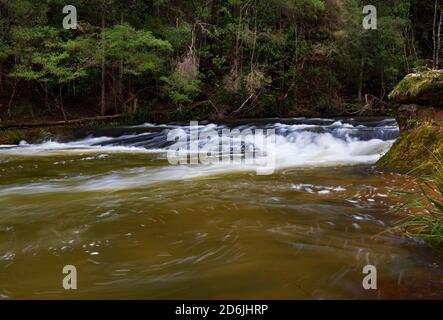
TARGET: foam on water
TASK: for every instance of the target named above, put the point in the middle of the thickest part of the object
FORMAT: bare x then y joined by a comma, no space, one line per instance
335,143
49,148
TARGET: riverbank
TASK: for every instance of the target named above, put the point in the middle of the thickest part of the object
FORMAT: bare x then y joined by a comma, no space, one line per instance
418,103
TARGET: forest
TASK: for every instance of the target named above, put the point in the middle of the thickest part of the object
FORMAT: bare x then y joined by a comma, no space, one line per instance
221,149
209,59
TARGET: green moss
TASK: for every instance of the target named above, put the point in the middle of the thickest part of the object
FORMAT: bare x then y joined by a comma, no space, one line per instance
12,137
416,150
421,88
32,135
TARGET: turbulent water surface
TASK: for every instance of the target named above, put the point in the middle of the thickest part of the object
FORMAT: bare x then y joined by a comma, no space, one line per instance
135,226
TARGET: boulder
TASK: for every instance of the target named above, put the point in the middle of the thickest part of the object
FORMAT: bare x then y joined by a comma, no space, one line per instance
418,104
425,89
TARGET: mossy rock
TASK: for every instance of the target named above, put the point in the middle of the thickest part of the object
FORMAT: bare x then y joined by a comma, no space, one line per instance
412,115
34,135
29,135
425,89
416,151
12,137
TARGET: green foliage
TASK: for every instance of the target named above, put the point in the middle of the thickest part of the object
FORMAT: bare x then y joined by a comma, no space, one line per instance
28,135
420,66
138,51
14,137
42,56
425,212
141,116
307,52
180,90
191,114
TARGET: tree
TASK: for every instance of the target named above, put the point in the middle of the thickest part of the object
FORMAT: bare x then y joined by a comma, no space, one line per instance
42,57
134,54
436,33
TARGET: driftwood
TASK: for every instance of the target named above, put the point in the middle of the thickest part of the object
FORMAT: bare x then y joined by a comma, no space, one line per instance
59,123
372,103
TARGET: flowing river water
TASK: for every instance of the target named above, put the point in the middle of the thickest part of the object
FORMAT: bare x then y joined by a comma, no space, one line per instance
135,226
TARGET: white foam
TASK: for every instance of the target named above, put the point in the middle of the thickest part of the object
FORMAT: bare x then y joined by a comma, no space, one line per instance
298,149
89,145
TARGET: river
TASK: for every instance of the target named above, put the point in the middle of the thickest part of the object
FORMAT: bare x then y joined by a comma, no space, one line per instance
136,226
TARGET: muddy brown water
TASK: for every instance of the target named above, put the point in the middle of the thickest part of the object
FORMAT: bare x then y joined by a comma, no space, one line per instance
134,226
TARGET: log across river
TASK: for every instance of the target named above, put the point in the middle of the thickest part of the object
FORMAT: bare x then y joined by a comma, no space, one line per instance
135,226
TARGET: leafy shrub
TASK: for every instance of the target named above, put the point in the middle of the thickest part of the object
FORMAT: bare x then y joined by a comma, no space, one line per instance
180,90
142,115
14,137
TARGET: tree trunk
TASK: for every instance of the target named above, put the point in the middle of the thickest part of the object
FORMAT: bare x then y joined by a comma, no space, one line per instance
437,53
61,104
11,99
120,72
434,37
254,43
360,80
58,123
2,89
103,65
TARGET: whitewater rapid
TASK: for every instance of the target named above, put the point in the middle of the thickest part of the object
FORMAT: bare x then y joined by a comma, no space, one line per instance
299,143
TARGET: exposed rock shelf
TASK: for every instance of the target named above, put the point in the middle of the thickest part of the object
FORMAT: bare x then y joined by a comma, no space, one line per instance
418,104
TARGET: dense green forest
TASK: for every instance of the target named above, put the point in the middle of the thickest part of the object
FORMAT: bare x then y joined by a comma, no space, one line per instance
209,58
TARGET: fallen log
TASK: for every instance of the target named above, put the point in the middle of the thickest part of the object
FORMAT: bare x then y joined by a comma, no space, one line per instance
59,123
